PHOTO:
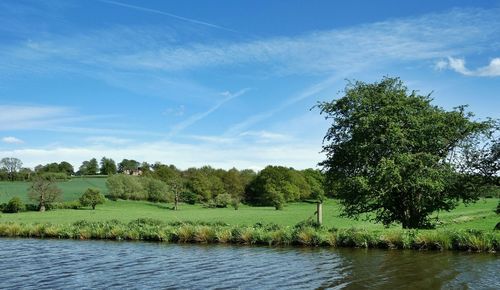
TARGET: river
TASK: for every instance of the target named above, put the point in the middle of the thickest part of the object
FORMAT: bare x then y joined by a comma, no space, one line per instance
36,264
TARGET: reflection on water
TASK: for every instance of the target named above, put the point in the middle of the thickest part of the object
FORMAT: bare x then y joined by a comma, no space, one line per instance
26,263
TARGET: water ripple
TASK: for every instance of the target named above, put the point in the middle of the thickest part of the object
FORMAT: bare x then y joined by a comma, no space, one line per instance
59,264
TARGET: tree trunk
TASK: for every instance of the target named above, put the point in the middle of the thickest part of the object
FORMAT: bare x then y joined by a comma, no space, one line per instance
42,208
319,212
176,201
93,207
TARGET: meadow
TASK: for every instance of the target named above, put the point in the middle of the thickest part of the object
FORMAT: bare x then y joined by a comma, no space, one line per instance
71,189
468,227
478,216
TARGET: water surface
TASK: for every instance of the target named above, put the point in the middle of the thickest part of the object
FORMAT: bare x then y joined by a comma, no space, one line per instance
35,264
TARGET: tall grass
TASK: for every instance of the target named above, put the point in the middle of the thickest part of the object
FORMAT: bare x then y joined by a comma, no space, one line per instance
275,235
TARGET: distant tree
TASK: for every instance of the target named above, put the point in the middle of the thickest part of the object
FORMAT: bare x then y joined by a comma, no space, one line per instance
174,180
25,173
276,185
89,167
66,167
92,197
145,167
93,167
128,166
44,191
386,153
108,166
11,165
233,183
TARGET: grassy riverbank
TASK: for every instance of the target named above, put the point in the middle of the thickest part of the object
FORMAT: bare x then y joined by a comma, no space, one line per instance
273,235
478,216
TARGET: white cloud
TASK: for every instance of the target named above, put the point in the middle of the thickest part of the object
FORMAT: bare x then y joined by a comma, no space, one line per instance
458,65
12,140
240,155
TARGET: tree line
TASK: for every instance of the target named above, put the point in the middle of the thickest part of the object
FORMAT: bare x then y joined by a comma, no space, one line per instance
130,179
272,186
11,169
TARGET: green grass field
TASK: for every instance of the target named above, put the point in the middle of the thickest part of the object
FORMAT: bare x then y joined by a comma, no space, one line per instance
478,216
72,189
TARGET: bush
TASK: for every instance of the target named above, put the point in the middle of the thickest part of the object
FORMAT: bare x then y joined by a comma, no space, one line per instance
59,205
92,197
14,205
498,208
189,197
156,190
60,176
222,200
235,203
125,187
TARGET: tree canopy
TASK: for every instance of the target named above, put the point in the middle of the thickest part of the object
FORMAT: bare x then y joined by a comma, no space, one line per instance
386,152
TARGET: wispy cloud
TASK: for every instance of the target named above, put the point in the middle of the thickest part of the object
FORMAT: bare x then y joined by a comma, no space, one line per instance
156,11
27,117
107,140
308,92
197,117
12,140
458,65
432,36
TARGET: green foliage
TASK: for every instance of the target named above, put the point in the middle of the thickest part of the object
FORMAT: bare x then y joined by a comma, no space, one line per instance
90,167
108,166
92,197
63,168
156,190
387,150
44,191
14,205
59,176
276,185
128,166
11,166
125,187
201,232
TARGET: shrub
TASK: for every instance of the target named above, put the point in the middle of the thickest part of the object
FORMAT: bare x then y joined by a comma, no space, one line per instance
235,203
156,190
61,205
125,187
189,197
222,200
92,197
14,205
60,176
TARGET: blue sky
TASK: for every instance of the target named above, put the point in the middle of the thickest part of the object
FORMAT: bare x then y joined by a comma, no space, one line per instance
223,83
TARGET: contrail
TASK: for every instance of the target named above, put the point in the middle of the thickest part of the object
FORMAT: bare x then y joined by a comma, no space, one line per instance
167,14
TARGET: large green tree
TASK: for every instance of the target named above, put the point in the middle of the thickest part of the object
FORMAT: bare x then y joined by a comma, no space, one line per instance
276,185
90,167
386,153
108,166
